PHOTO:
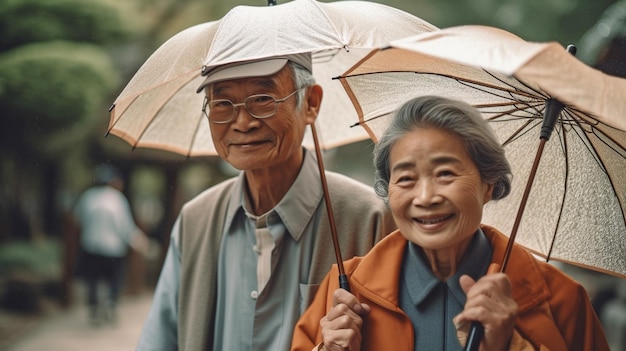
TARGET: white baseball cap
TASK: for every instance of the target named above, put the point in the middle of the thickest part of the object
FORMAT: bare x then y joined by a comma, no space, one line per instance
255,68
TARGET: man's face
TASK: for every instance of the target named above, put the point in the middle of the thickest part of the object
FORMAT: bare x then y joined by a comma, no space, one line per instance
248,143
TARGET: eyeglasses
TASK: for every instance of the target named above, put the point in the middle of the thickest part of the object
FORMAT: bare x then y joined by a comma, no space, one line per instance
258,106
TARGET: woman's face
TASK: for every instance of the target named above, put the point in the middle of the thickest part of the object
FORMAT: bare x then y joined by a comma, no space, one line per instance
436,193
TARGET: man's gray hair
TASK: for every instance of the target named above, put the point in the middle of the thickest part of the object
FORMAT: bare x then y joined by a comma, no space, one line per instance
301,78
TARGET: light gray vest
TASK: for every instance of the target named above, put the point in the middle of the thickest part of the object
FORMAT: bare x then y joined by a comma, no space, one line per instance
361,219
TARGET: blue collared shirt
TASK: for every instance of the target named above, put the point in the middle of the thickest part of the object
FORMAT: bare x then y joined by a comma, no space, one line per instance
245,318
431,303
248,319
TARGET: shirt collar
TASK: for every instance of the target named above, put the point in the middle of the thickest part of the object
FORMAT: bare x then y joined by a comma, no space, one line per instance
298,205
421,280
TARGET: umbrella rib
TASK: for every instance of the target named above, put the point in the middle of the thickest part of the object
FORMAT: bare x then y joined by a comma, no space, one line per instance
518,133
150,120
478,86
191,73
563,140
510,94
620,152
489,89
512,91
539,93
352,96
587,145
514,103
516,108
602,137
326,55
147,124
112,110
578,125
493,119
595,131
468,82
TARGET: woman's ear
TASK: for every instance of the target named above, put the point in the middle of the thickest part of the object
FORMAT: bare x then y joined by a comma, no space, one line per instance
488,193
312,103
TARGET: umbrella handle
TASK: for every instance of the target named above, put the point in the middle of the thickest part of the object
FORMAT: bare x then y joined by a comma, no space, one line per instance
474,337
477,330
344,283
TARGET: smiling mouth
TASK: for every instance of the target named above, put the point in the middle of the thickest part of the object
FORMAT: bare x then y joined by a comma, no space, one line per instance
249,143
433,220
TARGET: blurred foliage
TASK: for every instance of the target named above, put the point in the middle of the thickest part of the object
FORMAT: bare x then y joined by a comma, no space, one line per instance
46,88
56,72
607,36
563,21
95,22
28,272
57,75
39,258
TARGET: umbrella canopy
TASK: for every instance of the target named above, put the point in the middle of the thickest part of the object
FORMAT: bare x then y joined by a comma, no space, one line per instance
575,211
159,107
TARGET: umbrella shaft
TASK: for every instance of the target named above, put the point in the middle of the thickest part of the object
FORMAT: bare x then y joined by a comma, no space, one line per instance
551,114
520,211
552,110
329,208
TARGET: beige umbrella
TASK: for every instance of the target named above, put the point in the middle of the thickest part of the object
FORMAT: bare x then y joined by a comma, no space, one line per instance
159,108
528,91
575,213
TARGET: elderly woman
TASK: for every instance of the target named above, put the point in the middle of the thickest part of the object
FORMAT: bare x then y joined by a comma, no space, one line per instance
437,165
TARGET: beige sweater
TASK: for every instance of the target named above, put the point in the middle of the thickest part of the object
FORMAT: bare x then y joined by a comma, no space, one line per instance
361,219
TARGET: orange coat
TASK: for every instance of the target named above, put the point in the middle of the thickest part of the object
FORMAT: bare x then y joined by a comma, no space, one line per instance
554,311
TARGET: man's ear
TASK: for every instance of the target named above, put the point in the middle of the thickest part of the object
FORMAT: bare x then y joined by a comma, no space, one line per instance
312,103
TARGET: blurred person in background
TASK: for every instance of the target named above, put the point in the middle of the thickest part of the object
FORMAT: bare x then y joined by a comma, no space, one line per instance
107,231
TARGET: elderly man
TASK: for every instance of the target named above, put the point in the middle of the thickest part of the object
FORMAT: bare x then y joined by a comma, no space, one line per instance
247,255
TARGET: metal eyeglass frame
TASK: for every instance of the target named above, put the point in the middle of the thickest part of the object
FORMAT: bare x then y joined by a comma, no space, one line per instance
206,102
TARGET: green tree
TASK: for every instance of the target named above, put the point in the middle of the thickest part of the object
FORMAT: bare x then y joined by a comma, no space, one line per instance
28,21
563,21
57,76
49,88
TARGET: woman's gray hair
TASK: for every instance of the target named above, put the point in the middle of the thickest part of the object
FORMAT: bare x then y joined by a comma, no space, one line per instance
301,78
453,116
